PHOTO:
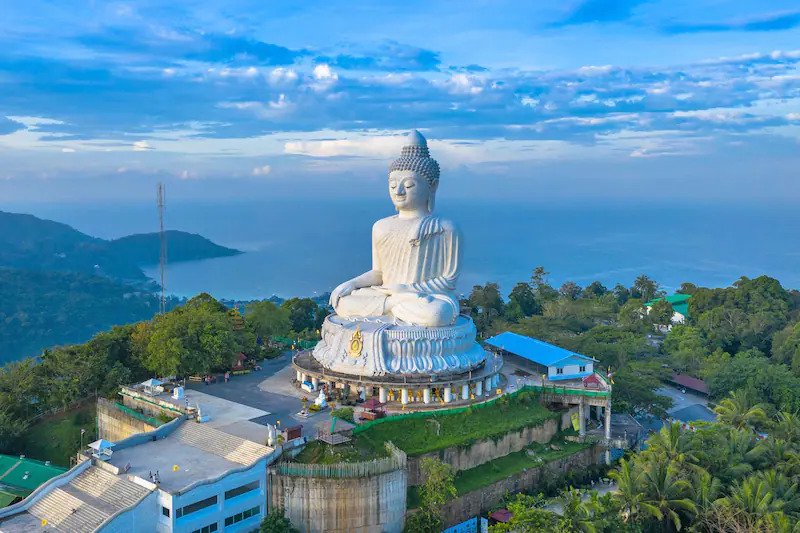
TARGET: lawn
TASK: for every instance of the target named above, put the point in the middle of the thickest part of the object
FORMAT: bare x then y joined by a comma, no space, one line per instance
317,452
417,436
57,438
531,457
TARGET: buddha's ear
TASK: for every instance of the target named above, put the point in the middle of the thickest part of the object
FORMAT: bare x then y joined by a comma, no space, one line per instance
432,195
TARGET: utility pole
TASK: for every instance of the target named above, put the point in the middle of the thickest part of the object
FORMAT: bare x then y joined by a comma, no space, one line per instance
162,261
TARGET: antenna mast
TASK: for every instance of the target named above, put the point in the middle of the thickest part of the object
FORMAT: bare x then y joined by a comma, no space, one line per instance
162,261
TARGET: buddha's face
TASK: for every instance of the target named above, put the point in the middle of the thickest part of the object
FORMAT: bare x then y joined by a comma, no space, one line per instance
409,191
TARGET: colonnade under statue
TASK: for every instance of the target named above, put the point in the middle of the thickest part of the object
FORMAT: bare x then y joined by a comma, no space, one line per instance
476,385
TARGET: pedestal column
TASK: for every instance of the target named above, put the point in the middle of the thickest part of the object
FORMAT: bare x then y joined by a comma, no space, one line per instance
478,388
608,421
447,395
582,418
315,382
382,394
404,396
465,392
299,376
303,377
488,386
426,396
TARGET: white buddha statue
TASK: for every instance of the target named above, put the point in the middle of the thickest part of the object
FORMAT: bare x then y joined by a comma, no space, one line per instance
416,256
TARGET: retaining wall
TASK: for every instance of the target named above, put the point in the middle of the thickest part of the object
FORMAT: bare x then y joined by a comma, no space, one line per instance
115,425
486,450
367,497
481,500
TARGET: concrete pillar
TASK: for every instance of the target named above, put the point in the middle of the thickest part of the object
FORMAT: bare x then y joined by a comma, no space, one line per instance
382,394
315,382
478,388
447,397
608,421
582,419
426,395
488,386
404,396
465,391
303,377
299,376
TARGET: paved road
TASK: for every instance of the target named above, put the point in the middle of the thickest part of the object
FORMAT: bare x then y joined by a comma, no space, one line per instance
244,389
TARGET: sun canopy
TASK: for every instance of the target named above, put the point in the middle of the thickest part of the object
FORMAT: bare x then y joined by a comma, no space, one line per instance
152,383
100,445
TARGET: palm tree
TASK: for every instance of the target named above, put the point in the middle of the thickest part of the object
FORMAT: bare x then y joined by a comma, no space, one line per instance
628,493
783,490
786,426
742,452
577,514
740,411
754,497
671,444
666,496
706,490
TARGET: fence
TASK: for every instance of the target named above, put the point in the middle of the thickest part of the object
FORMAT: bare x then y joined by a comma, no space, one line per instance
55,410
286,342
396,461
137,415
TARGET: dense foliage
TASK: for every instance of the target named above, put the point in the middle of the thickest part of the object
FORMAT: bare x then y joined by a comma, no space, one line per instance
43,309
199,337
727,476
436,490
747,334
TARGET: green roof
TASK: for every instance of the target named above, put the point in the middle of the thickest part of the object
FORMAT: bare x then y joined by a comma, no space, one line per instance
25,474
680,302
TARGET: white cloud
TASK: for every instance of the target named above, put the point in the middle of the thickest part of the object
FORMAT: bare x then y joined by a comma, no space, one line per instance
282,76
262,170
324,72
68,150
465,84
141,146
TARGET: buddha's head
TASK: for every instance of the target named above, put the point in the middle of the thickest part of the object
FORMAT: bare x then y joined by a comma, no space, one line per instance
414,176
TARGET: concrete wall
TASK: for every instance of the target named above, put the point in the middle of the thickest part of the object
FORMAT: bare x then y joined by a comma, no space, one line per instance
486,450
359,505
142,517
481,500
114,425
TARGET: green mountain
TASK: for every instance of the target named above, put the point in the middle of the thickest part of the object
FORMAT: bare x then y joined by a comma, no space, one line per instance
31,243
61,286
43,309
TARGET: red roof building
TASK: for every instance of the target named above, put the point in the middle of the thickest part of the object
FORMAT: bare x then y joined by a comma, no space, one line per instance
501,515
689,382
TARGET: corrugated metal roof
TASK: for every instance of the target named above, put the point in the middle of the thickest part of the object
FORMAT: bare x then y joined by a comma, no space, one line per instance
532,349
690,382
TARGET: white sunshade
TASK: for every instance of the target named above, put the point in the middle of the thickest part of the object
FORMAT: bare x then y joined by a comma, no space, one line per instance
100,445
152,382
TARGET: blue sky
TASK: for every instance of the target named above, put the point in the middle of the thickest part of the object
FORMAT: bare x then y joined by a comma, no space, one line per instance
610,99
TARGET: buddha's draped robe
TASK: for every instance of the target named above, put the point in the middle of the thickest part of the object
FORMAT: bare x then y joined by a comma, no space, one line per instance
423,254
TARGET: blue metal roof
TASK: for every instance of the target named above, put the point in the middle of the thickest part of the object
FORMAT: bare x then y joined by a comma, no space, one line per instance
532,349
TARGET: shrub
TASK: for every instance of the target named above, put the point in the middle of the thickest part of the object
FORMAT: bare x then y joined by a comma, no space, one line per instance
345,413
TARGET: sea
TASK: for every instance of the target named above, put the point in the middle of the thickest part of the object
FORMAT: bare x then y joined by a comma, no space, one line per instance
301,247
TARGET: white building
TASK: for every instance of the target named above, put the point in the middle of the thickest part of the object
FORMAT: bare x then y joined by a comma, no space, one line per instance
183,477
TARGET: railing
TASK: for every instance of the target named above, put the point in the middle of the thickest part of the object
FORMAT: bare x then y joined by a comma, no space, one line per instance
137,415
396,461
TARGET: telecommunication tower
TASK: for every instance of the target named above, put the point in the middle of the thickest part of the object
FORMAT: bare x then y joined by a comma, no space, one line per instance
162,260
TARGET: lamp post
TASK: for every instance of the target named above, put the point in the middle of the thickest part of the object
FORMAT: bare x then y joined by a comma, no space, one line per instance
83,431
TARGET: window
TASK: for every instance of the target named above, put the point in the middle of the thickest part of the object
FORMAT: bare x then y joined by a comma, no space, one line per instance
582,368
244,515
238,491
559,370
165,511
210,528
196,506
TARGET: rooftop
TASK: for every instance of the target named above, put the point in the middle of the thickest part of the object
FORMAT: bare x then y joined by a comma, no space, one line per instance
532,349
680,302
192,453
690,382
82,505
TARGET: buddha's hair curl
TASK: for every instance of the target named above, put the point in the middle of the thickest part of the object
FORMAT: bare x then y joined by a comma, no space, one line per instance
417,159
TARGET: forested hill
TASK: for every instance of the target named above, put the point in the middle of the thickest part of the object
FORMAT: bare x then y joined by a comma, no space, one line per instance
31,243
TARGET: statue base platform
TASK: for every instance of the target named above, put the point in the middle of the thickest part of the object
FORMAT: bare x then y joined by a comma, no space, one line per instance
379,347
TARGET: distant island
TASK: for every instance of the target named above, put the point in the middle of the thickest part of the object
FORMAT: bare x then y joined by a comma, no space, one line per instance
31,243
60,286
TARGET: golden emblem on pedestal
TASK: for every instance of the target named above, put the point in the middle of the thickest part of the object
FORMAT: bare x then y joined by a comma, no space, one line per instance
356,344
